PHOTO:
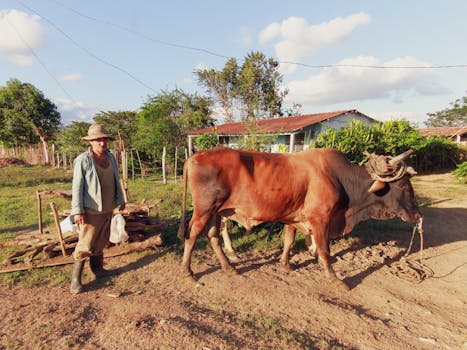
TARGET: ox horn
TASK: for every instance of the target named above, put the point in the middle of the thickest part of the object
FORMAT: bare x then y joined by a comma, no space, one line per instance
401,157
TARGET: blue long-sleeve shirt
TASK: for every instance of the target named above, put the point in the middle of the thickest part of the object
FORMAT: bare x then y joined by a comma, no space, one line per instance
86,188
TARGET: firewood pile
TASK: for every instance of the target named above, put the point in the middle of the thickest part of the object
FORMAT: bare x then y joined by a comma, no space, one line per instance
35,248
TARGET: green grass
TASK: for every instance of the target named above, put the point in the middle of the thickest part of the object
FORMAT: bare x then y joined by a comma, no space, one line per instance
18,212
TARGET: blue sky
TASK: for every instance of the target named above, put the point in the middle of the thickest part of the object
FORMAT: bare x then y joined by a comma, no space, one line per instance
90,56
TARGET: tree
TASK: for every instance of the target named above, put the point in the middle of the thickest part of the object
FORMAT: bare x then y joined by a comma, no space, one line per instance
454,116
26,116
252,89
69,139
121,123
163,120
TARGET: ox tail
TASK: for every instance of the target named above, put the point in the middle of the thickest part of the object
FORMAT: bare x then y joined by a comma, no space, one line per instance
182,228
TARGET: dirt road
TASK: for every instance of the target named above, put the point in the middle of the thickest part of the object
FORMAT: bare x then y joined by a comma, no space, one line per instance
148,306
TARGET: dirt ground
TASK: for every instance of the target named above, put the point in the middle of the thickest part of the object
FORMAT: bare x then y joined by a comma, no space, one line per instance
149,306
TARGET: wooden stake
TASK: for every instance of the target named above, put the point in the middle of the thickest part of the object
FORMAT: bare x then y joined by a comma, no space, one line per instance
39,210
140,165
59,230
176,155
164,152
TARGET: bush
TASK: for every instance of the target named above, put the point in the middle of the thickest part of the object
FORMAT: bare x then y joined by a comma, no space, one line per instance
436,153
206,141
461,173
392,138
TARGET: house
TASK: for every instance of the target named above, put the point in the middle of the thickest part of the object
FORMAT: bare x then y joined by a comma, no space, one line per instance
293,133
457,134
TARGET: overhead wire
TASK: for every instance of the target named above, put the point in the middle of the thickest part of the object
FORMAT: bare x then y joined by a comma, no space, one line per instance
81,47
41,62
192,48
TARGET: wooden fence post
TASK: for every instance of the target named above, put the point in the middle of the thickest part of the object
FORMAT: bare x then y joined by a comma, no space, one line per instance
175,171
39,211
140,165
164,151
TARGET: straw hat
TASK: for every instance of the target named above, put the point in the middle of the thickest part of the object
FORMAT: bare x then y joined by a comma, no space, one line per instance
96,131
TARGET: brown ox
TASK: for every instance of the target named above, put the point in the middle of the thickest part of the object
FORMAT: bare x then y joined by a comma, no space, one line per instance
317,191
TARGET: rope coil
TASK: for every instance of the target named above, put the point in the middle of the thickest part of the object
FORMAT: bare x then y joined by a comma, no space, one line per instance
379,168
412,269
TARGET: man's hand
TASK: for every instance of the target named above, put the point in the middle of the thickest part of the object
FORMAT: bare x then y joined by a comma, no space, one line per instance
80,219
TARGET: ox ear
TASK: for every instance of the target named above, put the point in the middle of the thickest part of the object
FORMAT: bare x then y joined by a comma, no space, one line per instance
377,186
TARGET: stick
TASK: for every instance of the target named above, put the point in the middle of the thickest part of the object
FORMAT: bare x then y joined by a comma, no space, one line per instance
39,211
140,165
163,165
59,229
176,155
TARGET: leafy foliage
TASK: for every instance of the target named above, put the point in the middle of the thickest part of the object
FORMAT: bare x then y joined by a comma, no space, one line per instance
461,173
26,115
122,124
437,153
207,141
69,139
252,89
391,138
454,116
163,120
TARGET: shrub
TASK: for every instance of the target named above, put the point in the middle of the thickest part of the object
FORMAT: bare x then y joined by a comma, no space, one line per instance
206,141
461,173
435,153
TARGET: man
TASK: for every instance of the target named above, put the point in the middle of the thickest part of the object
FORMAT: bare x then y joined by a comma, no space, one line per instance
96,192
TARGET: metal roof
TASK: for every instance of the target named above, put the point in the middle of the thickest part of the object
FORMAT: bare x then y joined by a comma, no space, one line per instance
448,131
275,125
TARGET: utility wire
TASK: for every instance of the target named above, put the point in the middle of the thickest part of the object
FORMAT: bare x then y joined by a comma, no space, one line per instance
39,60
146,37
139,34
86,50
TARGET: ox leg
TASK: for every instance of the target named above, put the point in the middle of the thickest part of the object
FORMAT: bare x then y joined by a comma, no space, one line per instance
311,245
195,227
289,239
213,235
227,242
322,245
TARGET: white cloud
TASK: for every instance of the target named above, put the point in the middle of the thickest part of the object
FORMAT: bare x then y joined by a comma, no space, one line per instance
21,60
297,38
348,80
71,77
19,34
74,111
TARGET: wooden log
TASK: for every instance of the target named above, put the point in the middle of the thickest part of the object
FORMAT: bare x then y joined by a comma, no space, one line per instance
59,229
108,253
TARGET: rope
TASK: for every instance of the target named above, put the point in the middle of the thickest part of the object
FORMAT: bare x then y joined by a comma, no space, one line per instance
412,269
376,173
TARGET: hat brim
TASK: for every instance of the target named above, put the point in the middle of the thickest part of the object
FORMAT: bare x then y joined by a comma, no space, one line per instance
90,138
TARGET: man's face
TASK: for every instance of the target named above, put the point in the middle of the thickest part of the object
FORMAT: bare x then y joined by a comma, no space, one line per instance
99,145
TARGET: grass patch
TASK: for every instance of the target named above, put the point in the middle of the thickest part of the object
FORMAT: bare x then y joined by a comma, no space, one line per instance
18,186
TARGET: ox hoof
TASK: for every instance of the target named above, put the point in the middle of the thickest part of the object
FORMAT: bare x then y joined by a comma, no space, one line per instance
233,258
286,267
231,271
190,276
340,285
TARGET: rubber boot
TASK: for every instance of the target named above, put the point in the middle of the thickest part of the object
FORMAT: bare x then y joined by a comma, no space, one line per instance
97,266
76,286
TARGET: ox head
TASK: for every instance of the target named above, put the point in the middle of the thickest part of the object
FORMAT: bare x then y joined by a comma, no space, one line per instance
391,182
